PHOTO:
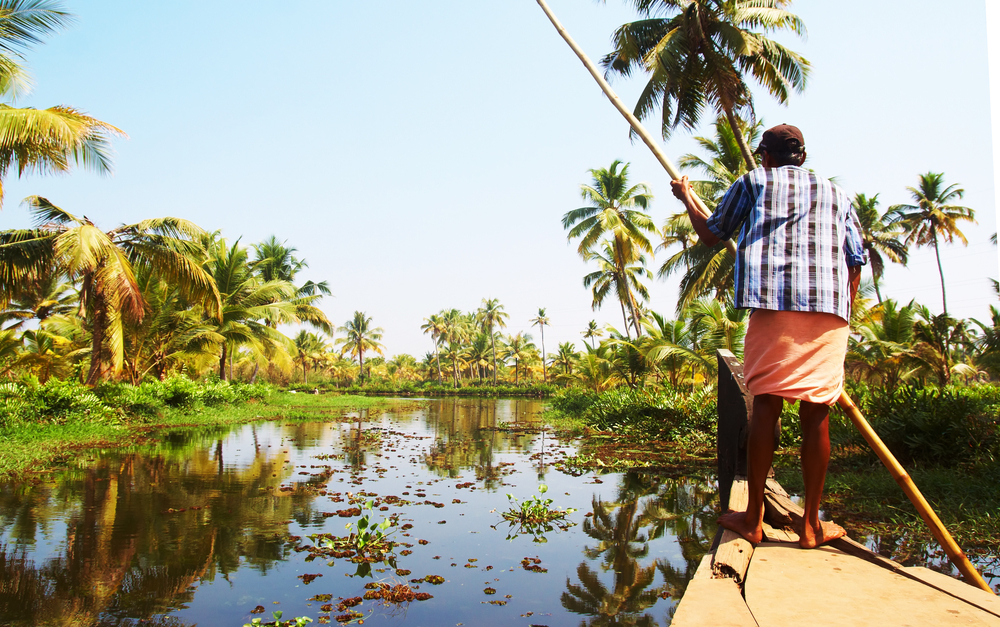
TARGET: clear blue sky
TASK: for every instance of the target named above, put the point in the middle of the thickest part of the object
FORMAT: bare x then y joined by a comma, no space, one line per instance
420,155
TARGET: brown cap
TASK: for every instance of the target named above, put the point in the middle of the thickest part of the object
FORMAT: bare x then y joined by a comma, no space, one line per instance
781,138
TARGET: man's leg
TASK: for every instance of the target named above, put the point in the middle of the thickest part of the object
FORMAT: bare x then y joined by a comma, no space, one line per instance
760,455
815,457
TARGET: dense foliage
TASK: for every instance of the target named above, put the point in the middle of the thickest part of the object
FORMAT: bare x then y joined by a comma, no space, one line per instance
57,402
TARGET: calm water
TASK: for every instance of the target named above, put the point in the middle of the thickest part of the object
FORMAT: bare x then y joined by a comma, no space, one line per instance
208,525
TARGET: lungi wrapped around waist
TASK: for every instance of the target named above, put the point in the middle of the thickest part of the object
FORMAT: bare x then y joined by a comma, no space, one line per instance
797,355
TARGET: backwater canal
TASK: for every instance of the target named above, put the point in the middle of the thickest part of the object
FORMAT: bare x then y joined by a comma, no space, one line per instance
211,527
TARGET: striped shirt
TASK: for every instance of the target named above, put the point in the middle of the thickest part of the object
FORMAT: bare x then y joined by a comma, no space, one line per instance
798,233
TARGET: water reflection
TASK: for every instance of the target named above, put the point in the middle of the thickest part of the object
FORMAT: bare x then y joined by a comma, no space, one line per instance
646,509
203,526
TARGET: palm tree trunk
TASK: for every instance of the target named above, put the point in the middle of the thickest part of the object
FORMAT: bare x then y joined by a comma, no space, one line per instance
878,294
740,140
625,320
97,332
222,361
493,344
361,360
256,369
937,253
437,358
545,373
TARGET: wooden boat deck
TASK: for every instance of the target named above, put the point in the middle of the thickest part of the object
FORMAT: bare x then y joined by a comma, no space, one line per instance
786,585
777,584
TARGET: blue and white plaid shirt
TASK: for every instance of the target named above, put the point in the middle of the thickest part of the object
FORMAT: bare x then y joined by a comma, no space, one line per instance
798,233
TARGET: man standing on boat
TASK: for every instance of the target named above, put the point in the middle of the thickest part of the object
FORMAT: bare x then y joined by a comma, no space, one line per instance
798,267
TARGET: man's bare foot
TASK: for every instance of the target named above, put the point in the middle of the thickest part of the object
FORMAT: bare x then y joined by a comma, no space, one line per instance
810,537
737,521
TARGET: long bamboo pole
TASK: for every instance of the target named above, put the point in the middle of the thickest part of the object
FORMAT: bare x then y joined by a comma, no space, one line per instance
958,557
941,534
640,130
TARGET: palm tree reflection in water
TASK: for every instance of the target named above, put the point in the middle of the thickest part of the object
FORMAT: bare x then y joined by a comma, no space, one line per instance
648,508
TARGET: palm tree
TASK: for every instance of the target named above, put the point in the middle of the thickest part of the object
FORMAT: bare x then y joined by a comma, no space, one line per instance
38,298
882,343
592,332
540,322
624,280
360,336
933,217
880,236
565,358
518,347
435,326
251,308
696,52
668,346
707,271
105,262
492,315
309,349
48,140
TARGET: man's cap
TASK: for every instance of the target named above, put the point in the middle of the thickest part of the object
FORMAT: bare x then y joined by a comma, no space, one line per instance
781,138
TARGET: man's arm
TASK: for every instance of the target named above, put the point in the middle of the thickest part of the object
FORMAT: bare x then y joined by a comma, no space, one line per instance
854,280
682,191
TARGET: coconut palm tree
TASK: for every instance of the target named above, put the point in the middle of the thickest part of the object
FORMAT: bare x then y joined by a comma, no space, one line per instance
625,280
38,298
565,358
697,52
251,309
518,347
360,336
933,217
309,349
707,271
436,327
668,347
491,314
540,321
882,344
592,332
48,140
880,236
104,263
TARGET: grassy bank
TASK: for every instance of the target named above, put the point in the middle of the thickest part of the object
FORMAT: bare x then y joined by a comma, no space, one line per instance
31,445
865,499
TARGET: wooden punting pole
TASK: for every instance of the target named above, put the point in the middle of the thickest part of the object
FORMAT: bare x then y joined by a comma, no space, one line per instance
958,557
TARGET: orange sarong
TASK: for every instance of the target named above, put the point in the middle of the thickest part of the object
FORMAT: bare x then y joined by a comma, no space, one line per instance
797,355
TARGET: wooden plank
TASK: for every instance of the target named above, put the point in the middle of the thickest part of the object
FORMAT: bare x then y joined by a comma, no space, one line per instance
779,534
732,557
827,587
959,589
710,601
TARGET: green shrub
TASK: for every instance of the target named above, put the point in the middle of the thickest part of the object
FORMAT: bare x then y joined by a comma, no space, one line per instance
927,425
63,401
665,414
144,401
217,392
573,401
179,391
